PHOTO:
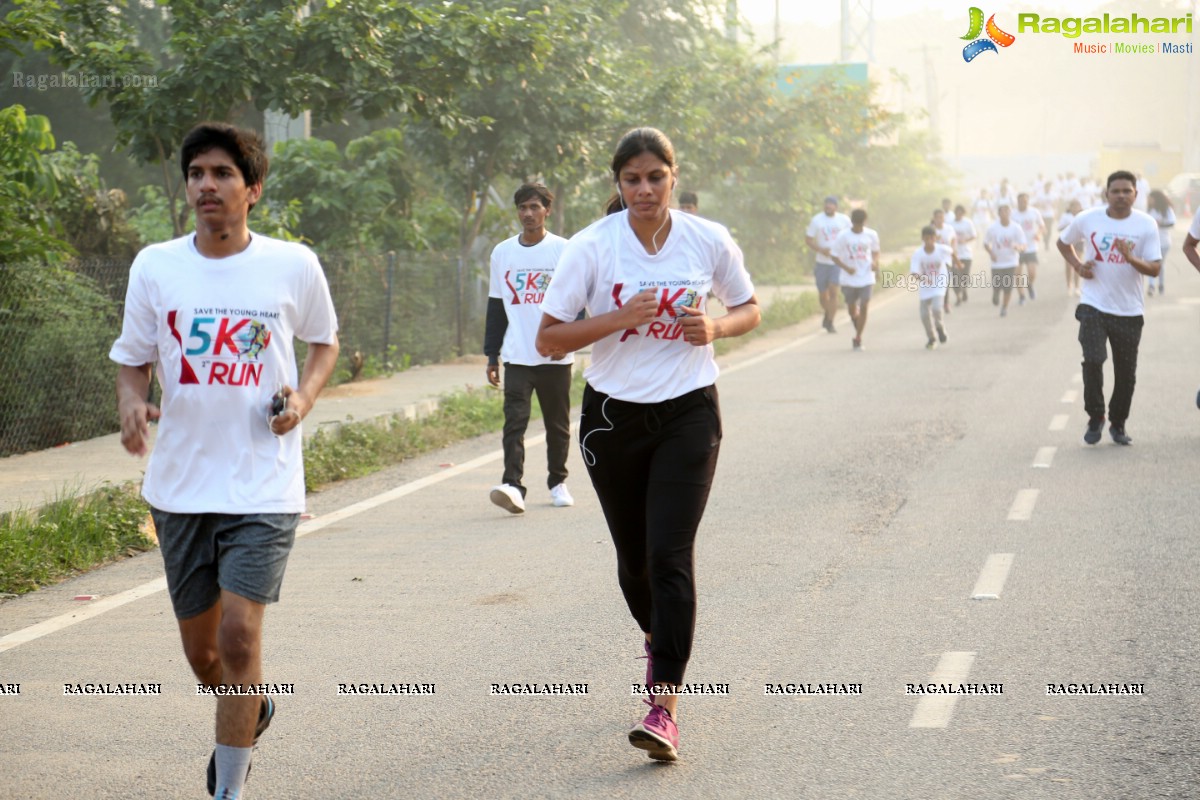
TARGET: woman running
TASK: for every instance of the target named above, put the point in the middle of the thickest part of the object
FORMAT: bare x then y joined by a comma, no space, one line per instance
651,425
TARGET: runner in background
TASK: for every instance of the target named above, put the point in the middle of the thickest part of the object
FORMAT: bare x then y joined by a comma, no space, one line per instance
820,235
982,211
964,234
931,264
1033,226
856,252
1003,241
947,236
1163,214
1073,210
689,202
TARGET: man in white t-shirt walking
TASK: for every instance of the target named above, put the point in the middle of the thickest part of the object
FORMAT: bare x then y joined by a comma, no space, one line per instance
1003,241
856,252
1121,246
820,235
947,235
521,271
1191,250
215,312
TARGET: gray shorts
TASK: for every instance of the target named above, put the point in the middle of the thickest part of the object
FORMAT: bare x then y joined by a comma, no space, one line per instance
241,553
856,294
826,275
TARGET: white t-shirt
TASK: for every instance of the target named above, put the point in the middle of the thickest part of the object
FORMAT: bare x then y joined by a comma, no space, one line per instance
945,235
964,234
855,250
1117,286
1164,223
933,269
604,265
1194,231
824,230
1031,223
1005,242
220,331
520,276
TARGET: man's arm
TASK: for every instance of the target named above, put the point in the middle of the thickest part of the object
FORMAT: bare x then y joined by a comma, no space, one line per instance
812,243
495,326
318,366
1190,251
1148,268
133,386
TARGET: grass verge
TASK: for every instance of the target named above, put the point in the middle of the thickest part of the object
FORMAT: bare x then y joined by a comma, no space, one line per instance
72,533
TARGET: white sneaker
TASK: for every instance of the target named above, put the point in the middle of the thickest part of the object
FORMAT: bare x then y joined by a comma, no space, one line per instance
509,498
561,497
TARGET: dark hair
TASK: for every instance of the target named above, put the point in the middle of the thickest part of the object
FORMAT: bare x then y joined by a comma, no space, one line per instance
688,198
1023,194
960,207
245,147
1159,201
858,216
632,145
939,210
928,231
1121,175
531,190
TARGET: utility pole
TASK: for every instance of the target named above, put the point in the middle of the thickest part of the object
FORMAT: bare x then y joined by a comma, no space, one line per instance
858,30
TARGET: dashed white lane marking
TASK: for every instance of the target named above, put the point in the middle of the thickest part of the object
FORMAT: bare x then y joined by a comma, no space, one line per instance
1076,377
992,578
1059,422
935,711
1070,396
1022,507
1044,457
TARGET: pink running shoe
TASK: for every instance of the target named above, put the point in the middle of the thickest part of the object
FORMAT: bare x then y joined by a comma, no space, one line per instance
657,734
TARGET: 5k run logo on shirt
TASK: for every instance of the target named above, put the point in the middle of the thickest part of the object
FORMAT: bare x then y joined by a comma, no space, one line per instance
219,345
527,286
669,305
995,36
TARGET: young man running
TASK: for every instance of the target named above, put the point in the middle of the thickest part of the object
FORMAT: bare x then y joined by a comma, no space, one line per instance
931,264
1121,246
856,252
1033,226
521,271
216,312
1003,241
964,234
820,235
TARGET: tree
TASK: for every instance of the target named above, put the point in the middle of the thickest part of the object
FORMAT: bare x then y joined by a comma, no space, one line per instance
27,184
221,61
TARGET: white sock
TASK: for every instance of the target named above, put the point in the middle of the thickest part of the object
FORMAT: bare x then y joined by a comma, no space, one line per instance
232,765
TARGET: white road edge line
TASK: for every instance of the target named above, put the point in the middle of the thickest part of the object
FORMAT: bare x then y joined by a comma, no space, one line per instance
992,578
1022,507
935,711
1044,457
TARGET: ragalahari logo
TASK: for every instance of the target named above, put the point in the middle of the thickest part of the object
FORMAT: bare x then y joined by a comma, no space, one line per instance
995,36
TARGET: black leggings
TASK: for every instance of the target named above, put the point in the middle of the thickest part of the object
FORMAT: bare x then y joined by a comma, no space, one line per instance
652,466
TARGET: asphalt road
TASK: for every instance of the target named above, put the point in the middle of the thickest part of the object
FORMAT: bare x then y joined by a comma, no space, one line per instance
860,502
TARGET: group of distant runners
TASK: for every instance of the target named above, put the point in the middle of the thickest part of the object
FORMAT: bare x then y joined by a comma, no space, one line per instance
215,313
1111,237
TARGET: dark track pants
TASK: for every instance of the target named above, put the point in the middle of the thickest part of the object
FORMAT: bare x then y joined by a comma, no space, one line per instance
1096,331
552,382
652,466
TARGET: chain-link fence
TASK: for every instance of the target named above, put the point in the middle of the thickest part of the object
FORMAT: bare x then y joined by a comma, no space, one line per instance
58,323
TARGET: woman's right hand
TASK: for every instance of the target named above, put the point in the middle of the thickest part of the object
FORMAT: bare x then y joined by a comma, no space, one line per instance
639,309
